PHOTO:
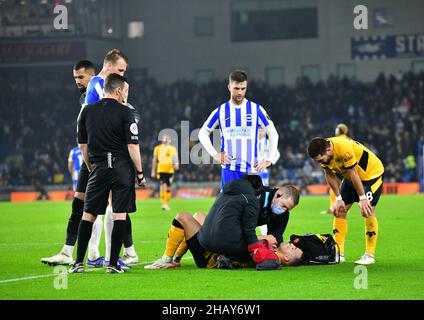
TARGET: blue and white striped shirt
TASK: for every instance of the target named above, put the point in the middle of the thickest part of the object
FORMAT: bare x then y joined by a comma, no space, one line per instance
94,90
239,132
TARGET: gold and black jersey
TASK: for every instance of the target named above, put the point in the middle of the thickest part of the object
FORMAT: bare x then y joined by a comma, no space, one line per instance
348,153
165,154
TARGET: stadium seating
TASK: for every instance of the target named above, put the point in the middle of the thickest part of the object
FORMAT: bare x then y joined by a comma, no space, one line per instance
38,122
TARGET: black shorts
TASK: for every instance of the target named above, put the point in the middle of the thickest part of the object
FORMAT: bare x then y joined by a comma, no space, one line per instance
202,257
165,178
373,189
120,180
82,178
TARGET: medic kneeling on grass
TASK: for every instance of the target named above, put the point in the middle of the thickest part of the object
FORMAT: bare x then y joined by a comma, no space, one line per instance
226,237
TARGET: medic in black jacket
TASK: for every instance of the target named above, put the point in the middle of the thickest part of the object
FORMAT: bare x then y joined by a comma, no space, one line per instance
275,206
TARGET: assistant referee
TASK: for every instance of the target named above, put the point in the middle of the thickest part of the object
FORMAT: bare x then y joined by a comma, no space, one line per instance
108,138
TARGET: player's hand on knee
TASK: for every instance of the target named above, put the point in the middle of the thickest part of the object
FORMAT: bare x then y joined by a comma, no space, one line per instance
339,208
340,213
366,208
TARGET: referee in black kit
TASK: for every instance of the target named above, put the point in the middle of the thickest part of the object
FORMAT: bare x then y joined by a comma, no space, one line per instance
108,138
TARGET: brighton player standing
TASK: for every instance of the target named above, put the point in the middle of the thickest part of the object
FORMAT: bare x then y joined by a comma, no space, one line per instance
239,120
263,154
115,62
83,71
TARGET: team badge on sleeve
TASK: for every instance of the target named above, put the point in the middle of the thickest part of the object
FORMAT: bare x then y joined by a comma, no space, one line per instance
134,129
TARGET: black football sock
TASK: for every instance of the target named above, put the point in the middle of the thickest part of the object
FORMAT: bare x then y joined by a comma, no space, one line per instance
118,234
74,221
128,240
84,235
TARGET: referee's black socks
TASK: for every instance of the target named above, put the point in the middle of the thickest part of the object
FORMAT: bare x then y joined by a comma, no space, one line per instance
84,235
118,233
128,240
74,221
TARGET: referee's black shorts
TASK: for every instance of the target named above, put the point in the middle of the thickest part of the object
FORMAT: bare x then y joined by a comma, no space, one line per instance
120,180
82,178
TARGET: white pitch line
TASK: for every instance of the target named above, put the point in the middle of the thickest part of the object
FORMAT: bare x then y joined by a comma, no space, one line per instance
42,276
53,274
27,278
28,244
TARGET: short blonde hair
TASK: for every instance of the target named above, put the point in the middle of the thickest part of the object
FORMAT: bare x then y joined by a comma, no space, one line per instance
114,55
343,129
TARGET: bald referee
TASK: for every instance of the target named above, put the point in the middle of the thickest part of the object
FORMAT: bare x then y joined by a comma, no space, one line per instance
108,138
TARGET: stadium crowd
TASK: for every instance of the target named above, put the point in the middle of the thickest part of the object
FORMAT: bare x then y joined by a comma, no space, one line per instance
38,121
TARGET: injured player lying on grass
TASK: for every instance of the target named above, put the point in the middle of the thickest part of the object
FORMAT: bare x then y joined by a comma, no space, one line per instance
229,228
309,249
185,229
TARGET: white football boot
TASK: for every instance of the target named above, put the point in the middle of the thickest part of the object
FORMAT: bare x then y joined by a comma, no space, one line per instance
58,259
127,259
165,207
162,263
366,259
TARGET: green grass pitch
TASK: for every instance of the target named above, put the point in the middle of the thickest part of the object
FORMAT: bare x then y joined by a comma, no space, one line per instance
29,231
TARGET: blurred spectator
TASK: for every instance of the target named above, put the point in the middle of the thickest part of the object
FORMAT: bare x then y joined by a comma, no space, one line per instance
410,168
38,124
